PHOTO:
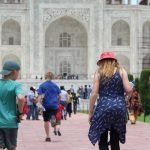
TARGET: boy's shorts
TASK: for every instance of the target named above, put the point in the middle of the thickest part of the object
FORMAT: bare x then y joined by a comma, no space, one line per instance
8,138
57,122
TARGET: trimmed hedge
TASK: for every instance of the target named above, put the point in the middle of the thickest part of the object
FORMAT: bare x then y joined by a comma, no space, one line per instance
144,89
130,77
137,83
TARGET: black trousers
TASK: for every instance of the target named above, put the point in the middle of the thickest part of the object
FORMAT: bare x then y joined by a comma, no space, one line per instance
114,140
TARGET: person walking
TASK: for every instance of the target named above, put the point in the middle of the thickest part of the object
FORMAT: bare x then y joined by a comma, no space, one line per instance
30,100
81,92
89,90
49,95
110,81
69,103
57,124
75,102
63,100
25,108
85,92
11,105
35,105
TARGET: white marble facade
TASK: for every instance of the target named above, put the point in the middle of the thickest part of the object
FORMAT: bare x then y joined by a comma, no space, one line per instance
66,36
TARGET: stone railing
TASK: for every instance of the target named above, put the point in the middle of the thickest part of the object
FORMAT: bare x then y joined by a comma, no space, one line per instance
56,77
27,83
83,105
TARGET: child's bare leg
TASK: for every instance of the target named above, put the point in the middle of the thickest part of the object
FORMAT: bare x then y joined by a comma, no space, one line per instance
58,127
55,132
55,128
58,130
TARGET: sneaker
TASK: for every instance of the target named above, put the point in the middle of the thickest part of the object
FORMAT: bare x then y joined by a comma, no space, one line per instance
58,132
55,133
48,140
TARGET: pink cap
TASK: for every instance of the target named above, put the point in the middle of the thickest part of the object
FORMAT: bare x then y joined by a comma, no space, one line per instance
106,55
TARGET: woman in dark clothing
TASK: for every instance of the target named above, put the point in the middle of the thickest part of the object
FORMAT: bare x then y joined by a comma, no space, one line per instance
110,81
75,102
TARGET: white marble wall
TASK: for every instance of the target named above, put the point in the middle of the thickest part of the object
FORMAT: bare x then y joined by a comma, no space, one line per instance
10,14
95,17
134,17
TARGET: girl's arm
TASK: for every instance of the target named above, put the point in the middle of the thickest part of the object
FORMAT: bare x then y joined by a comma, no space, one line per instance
94,93
126,83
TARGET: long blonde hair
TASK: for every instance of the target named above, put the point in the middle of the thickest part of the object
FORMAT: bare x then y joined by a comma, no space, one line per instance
106,69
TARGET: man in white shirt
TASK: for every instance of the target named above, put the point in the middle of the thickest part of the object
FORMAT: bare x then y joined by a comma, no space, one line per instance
63,100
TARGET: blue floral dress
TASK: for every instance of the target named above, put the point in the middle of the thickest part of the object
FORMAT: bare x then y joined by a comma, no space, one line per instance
110,110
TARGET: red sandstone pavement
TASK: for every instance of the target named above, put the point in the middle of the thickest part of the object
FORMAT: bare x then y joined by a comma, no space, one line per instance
74,136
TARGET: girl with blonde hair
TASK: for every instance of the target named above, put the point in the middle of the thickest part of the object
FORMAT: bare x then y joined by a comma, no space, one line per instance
110,83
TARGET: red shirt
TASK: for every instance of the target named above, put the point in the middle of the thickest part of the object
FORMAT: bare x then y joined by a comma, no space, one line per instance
25,108
59,110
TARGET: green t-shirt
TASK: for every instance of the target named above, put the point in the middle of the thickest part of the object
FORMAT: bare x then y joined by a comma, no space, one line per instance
9,89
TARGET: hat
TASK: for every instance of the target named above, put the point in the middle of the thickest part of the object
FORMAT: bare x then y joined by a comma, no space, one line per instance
62,87
106,55
32,88
8,67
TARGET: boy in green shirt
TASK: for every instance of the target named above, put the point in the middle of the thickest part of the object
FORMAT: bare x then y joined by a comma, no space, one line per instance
10,95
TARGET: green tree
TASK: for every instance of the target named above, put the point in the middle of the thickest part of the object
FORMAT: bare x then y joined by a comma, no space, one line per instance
130,77
137,83
145,91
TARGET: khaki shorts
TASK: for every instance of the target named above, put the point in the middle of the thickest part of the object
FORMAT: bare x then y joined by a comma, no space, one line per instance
57,122
8,138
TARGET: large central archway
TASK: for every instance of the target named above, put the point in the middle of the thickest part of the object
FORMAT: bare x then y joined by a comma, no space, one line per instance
66,41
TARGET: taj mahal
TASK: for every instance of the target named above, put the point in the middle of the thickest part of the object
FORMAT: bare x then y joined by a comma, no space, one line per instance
67,36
